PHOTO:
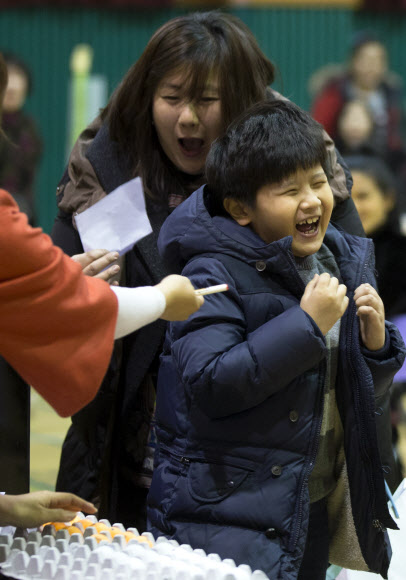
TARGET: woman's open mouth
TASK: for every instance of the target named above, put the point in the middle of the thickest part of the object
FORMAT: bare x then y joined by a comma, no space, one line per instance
309,227
191,147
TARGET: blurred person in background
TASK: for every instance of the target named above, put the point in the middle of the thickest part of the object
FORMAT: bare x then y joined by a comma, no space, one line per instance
196,74
375,195
355,130
355,126
367,79
20,154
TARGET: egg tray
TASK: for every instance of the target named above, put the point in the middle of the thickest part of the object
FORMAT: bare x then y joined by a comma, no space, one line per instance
91,549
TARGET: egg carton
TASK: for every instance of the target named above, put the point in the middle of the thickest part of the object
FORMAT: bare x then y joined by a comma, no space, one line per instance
91,549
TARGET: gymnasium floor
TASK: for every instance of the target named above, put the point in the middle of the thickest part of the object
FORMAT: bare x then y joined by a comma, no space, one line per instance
47,434
48,431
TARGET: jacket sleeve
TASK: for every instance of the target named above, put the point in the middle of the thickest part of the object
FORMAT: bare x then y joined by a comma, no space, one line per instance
78,189
57,325
226,369
65,236
385,363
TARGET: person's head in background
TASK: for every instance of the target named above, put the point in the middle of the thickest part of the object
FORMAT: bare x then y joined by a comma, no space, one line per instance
19,83
373,192
268,172
197,73
355,127
368,61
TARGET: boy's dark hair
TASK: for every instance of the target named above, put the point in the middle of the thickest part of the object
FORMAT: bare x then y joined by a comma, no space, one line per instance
266,144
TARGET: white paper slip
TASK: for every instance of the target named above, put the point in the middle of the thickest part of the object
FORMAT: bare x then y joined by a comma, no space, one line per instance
116,222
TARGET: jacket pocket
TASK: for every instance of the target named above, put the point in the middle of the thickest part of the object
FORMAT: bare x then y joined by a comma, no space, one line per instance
213,482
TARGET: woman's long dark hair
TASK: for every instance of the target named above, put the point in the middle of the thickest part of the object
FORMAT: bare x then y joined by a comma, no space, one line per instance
199,44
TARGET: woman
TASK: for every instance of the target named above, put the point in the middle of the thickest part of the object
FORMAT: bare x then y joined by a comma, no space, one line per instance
367,79
197,73
374,194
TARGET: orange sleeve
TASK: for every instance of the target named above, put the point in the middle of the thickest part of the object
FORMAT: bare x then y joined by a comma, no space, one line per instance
56,325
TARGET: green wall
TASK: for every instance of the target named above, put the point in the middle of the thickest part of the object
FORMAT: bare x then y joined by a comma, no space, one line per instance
298,41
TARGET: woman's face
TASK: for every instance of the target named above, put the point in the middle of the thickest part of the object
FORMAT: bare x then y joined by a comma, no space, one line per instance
186,129
16,92
372,204
369,66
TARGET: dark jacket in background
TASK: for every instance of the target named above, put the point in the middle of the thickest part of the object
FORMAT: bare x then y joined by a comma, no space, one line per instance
390,252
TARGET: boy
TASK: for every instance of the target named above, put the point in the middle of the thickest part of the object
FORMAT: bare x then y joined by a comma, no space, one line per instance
254,460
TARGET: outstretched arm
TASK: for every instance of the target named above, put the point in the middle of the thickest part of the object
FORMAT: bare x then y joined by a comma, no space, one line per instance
34,509
58,326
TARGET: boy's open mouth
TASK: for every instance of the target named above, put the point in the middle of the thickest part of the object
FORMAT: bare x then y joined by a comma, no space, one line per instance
191,146
308,226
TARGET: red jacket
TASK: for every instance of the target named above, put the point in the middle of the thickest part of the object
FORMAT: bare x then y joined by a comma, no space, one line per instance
56,325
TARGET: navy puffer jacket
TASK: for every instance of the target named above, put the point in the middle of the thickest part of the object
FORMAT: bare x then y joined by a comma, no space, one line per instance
240,399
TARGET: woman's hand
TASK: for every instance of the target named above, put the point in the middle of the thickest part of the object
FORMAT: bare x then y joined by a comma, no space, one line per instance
93,263
34,509
181,300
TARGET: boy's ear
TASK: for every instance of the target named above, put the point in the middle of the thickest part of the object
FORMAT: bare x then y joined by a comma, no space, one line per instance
238,211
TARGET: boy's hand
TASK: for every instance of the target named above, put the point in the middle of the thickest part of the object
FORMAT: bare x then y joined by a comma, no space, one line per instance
325,300
371,314
181,300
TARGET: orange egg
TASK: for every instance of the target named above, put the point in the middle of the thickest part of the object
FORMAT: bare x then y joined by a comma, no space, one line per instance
116,532
143,540
85,523
129,536
100,526
73,530
100,537
59,526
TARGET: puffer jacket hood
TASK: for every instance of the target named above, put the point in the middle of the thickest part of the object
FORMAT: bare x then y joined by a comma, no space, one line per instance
191,227
191,230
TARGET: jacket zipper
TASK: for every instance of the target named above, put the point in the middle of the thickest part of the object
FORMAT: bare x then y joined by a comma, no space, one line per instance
307,470
375,521
306,473
188,460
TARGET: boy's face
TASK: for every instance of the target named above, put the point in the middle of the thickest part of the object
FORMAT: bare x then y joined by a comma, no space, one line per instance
300,206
